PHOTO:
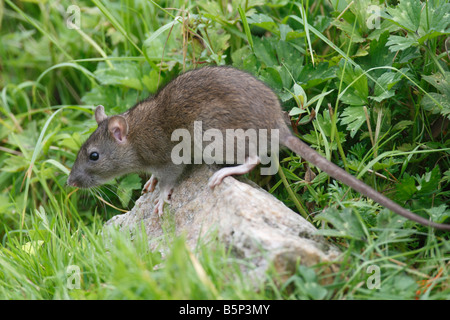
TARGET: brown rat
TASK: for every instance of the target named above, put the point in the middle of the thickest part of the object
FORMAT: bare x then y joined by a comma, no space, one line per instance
220,98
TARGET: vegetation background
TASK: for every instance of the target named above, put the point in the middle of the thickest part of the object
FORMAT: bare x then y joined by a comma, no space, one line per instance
366,83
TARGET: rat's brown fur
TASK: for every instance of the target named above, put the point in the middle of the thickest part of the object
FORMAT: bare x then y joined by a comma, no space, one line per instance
221,98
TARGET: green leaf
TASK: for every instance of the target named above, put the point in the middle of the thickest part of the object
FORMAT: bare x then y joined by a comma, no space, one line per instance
296,111
405,188
403,125
397,43
345,224
357,90
272,77
125,73
264,51
439,214
446,176
351,32
406,14
311,76
126,187
384,85
324,121
440,82
300,95
15,164
438,102
419,186
354,118
151,80
434,22
263,21
429,182
32,247
306,281
318,97
288,55
5,203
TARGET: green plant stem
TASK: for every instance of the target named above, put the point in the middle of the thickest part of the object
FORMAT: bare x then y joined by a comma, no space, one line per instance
298,204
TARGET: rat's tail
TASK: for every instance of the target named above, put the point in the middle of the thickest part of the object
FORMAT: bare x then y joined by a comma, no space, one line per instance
334,171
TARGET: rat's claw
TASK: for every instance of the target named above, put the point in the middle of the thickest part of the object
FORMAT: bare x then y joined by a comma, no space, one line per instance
159,207
150,185
164,197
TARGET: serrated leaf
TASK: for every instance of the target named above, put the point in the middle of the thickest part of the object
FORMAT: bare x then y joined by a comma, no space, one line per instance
434,22
405,188
354,118
439,214
438,103
418,186
440,82
406,14
384,84
446,176
429,182
345,224
398,43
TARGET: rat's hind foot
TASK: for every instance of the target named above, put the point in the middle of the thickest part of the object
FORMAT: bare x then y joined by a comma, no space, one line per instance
150,184
164,197
250,163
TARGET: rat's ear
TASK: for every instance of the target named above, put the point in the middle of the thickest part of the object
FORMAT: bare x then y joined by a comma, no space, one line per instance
118,127
100,114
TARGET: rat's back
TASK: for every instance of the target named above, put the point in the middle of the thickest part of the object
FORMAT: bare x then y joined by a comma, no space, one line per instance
220,97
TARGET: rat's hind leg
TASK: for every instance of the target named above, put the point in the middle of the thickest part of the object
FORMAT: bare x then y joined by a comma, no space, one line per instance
250,163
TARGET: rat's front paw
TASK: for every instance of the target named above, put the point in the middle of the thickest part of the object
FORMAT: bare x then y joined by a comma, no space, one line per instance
164,197
150,184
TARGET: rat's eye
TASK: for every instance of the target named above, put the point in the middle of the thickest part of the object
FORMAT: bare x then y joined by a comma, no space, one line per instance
94,156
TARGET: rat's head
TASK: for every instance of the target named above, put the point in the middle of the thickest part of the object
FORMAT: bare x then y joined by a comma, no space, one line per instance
106,154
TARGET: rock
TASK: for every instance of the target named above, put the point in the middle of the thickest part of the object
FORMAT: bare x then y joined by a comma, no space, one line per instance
253,222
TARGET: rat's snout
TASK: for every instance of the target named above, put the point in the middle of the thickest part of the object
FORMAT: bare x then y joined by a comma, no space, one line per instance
72,182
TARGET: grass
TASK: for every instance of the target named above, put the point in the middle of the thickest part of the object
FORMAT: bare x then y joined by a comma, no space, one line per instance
372,100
